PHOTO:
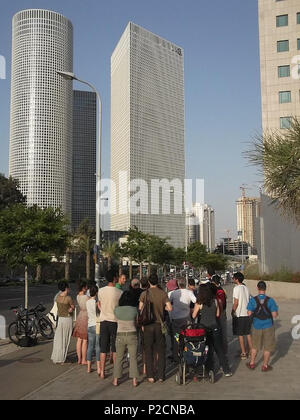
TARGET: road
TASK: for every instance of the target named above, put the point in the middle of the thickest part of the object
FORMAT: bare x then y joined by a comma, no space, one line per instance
14,296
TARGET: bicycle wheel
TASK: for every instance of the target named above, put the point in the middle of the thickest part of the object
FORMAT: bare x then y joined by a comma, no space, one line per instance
45,328
16,331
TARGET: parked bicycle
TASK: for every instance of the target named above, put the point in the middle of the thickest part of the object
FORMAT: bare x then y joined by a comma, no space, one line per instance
29,323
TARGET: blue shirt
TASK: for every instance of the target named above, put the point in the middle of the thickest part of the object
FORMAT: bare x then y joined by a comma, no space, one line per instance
260,324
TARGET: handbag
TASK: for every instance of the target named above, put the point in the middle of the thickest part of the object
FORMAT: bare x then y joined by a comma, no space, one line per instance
146,315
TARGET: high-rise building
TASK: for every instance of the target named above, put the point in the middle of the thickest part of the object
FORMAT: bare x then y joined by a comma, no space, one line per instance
147,129
84,158
279,32
247,212
200,226
42,108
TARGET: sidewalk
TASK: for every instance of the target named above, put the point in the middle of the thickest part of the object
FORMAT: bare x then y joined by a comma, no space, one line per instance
74,384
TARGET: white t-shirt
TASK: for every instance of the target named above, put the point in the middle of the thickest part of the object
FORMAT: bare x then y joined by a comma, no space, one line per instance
181,300
109,299
241,293
91,310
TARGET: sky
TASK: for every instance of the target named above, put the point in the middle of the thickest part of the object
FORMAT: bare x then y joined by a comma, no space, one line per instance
222,80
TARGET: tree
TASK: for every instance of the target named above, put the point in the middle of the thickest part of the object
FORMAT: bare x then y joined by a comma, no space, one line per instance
136,247
196,254
9,192
277,155
111,251
178,257
159,252
215,262
83,241
31,236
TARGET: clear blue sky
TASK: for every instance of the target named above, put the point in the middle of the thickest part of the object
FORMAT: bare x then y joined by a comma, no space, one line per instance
222,82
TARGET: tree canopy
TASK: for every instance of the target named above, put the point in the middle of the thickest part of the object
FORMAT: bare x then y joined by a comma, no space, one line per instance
277,155
9,192
31,235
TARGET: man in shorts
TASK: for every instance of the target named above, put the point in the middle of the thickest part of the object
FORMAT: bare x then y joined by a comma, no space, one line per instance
108,300
241,322
264,310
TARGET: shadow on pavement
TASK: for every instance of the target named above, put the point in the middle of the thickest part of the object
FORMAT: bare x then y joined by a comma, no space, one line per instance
284,342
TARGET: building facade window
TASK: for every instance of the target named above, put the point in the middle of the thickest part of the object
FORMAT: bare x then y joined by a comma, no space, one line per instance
298,18
283,46
285,122
298,43
284,71
282,20
285,97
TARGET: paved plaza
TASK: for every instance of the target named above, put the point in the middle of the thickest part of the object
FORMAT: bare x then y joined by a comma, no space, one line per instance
29,374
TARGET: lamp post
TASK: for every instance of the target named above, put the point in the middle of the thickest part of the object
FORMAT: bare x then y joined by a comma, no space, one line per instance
71,76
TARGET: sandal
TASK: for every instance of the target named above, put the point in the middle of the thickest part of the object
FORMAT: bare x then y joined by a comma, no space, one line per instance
250,366
244,356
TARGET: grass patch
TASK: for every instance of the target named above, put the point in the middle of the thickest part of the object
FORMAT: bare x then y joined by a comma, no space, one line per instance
283,275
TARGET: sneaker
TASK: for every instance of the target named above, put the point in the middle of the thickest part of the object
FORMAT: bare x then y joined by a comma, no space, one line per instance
266,368
250,366
228,374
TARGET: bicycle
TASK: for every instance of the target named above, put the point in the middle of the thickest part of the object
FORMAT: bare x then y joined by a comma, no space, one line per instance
29,323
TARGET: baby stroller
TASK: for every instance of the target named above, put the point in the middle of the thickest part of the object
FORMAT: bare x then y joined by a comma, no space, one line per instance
193,354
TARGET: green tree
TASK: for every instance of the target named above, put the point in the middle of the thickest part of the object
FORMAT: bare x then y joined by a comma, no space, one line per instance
178,257
217,262
277,155
31,236
9,192
83,242
136,247
159,252
111,252
197,254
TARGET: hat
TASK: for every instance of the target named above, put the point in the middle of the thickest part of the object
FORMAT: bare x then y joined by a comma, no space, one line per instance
172,285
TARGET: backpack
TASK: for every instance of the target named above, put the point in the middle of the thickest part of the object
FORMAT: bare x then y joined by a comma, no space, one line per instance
146,315
262,312
221,294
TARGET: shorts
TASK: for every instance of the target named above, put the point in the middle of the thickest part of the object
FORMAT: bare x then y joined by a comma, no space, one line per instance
241,325
108,334
264,339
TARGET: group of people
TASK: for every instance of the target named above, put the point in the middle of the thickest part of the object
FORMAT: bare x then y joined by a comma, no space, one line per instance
109,323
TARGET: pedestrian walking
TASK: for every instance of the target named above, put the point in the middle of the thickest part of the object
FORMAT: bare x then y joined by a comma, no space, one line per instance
241,322
220,294
81,326
180,316
63,333
93,334
208,306
108,300
263,310
127,339
154,333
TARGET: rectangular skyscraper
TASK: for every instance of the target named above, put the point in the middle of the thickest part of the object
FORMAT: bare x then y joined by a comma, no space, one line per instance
84,158
147,130
279,34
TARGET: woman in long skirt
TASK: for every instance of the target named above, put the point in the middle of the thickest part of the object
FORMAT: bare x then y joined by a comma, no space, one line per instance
81,326
63,333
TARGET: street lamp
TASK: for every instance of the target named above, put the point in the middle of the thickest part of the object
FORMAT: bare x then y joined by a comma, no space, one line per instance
71,76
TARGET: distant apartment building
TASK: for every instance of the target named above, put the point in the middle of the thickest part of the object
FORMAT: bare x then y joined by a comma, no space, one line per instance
41,115
84,158
200,226
247,212
147,130
279,34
